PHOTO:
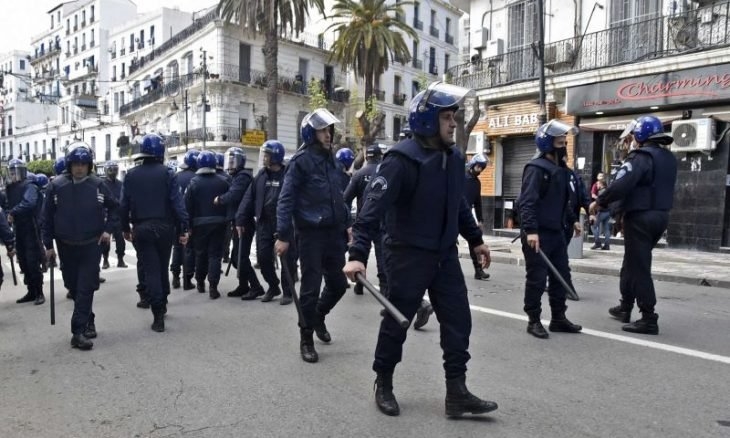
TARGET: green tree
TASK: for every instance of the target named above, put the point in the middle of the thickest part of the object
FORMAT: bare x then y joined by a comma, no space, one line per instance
317,97
370,38
41,166
270,18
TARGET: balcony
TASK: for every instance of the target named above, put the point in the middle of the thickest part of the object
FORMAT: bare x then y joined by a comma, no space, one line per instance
91,20
400,17
399,99
114,55
83,47
417,24
122,52
379,95
433,31
433,69
45,54
85,100
83,24
449,39
701,29
92,43
417,63
76,27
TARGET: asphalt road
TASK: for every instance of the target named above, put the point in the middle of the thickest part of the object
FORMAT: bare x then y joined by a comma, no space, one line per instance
229,368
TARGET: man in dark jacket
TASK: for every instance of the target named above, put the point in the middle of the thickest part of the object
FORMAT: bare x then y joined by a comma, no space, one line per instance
419,193
473,196
644,185
312,196
111,170
80,213
183,256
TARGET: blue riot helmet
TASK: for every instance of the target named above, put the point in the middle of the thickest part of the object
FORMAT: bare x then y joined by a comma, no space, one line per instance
477,160
41,180
190,161
275,150
346,157
650,128
59,166
234,160
17,170
30,176
207,162
172,165
405,133
546,134
153,146
318,119
219,160
425,107
111,169
373,152
79,152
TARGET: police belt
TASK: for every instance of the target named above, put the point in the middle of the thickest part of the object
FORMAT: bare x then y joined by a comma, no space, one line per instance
79,243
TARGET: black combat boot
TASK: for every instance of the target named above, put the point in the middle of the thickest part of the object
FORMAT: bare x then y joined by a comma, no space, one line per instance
213,292
201,286
321,330
479,274
460,401
79,341
306,346
384,397
158,324
90,332
238,292
622,312
176,281
252,294
27,298
647,325
273,291
143,303
70,295
358,289
534,326
105,265
120,262
286,299
559,323
188,283
422,314
39,297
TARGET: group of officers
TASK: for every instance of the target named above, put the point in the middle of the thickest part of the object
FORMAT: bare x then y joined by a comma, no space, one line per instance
412,204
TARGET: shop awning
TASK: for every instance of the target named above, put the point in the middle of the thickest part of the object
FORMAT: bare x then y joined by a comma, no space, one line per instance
618,123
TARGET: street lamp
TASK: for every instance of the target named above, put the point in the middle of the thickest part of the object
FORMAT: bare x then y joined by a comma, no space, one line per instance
205,91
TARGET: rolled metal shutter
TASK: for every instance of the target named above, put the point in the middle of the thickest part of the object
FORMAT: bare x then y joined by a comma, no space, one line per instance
517,151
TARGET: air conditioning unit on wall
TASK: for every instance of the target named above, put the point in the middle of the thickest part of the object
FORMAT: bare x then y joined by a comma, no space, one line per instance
693,135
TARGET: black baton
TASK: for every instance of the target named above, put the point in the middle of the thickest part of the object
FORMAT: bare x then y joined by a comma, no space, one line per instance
239,260
573,295
51,266
295,297
389,307
12,268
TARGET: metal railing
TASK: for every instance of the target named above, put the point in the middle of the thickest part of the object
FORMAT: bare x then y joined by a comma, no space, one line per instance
697,30
434,31
433,69
379,95
418,24
449,39
399,98
43,54
417,63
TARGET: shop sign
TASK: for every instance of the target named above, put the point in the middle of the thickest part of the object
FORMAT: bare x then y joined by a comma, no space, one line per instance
514,120
254,137
669,88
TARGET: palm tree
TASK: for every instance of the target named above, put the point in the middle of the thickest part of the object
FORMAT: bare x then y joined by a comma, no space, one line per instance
369,39
270,18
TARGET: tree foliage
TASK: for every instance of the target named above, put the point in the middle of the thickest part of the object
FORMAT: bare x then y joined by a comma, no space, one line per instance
41,166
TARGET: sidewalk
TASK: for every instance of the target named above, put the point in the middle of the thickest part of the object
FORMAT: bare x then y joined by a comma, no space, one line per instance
675,265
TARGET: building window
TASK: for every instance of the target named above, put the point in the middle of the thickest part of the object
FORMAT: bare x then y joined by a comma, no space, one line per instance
141,40
152,35
35,147
22,64
116,102
446,62
415,88
522,31
45,150
93,147
108,147
633,33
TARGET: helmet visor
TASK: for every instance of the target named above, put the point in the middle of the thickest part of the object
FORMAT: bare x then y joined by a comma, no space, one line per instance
556,128
438,93
320,119
17,174
628,130
233,160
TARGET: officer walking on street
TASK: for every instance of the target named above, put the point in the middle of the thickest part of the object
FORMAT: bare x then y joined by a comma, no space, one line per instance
260,202
208,222
24,202
183,256
312,196
543,204
8,239
644,185
111,170
153,216
473,196
79,213
419,191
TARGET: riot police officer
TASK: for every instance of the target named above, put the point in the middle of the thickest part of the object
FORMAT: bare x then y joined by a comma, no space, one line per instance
208,221
312,196
80,213
183,256
644,185
543,203
260,202
24,202
358,189
153,216
473,196
8,239
111,170
346,157
419,192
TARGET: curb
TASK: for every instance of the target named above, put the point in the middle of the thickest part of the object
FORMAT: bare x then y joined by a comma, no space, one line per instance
503,258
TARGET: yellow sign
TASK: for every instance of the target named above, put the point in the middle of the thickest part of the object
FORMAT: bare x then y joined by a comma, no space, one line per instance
253,138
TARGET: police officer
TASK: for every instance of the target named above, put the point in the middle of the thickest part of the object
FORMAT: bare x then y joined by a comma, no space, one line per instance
184,256
220,169
8,239
208,221
543,203
111,170
645,186
358,189
260,202
24,202
153,216
473,196
312,196
419,190
80,213
346,157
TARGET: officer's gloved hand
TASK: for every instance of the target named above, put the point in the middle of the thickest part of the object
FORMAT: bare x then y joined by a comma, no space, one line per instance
51,256
11,252
353,267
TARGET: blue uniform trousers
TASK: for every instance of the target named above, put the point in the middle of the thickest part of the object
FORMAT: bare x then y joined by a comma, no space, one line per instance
154,245
208,252
553,244
81,274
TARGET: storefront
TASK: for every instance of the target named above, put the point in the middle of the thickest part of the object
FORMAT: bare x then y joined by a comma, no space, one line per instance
693,104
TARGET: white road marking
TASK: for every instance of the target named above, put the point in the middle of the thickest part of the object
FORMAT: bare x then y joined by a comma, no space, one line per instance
614,337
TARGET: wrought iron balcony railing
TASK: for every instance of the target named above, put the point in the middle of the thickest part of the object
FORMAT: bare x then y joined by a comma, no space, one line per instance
434,31
697,30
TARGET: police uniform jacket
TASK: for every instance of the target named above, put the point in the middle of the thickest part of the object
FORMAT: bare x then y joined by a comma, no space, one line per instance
543,200
420,193
24,200
6,233
233,197
199,197
183,179
150,193
645,181
358,184
312,193
78,212
115,186
265,189
473,194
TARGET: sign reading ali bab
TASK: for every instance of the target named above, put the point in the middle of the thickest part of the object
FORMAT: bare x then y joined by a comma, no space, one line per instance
253,138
